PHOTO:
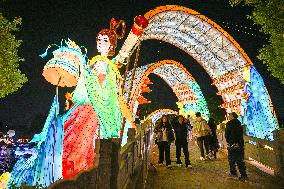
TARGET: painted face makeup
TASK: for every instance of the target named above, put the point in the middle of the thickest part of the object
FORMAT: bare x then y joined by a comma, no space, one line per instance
103,44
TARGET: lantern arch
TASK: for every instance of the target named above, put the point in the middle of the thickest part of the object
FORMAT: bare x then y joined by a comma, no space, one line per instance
238,82
157,114
188,92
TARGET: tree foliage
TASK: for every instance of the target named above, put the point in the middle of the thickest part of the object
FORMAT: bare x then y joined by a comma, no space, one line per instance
217,113
10,76
269,14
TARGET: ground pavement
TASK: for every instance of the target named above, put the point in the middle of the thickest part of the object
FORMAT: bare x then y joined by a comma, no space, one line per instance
209,174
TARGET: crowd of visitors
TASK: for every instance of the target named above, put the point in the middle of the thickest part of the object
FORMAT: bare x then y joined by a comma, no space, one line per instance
181,130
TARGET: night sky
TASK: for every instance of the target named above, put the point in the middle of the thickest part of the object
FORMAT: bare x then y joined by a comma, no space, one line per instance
47,22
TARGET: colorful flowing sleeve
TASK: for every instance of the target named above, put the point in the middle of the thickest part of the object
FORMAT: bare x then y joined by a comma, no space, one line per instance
80,95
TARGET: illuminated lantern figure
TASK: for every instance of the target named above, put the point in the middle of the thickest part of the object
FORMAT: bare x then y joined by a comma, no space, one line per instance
97,109
99,106
66,144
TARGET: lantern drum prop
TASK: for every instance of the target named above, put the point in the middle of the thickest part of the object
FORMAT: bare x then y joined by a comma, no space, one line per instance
64,68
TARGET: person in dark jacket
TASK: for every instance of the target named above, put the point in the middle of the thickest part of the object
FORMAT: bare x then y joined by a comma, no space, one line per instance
164,137
213,141
235,141
181,134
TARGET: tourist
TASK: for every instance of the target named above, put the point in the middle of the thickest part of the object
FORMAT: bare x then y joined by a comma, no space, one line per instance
164,137
181,132
235,141
189,127
213,141
202,132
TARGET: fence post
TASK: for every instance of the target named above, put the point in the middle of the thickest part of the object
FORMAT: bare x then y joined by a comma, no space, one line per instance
115,162
104,160
279,151
131,134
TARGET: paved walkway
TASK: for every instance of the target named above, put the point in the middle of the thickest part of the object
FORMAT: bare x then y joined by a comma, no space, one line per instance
209,174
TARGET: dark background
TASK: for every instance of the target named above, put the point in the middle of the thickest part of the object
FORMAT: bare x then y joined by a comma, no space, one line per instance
46,22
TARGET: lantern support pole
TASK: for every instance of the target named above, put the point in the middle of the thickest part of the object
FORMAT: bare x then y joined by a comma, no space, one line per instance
125,74
55,126
130,89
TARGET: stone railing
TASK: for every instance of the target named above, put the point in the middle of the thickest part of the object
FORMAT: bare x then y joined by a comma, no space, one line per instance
116,167
134,157
261,151
279,151
269,154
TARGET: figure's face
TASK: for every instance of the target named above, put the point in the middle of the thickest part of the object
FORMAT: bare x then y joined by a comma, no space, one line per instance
164,119
103,44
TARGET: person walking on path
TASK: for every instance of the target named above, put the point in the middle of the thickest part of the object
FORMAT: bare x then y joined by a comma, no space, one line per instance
213,141
181,133
235,141
189,127
202,132
164,137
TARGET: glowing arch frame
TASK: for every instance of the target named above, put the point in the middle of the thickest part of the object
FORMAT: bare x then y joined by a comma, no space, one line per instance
226,62
142,74
234,67
155,115
150,14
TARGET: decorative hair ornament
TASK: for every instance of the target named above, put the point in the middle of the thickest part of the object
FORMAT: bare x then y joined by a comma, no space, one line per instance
114,25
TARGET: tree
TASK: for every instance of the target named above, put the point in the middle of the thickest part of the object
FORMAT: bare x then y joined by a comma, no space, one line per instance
10,76
217,113
269,14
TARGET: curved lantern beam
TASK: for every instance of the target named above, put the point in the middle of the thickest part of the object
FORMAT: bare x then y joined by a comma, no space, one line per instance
177,77
230,68
183,21
157,114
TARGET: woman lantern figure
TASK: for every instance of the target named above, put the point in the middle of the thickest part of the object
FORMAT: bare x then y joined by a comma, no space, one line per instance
97,104
97,112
